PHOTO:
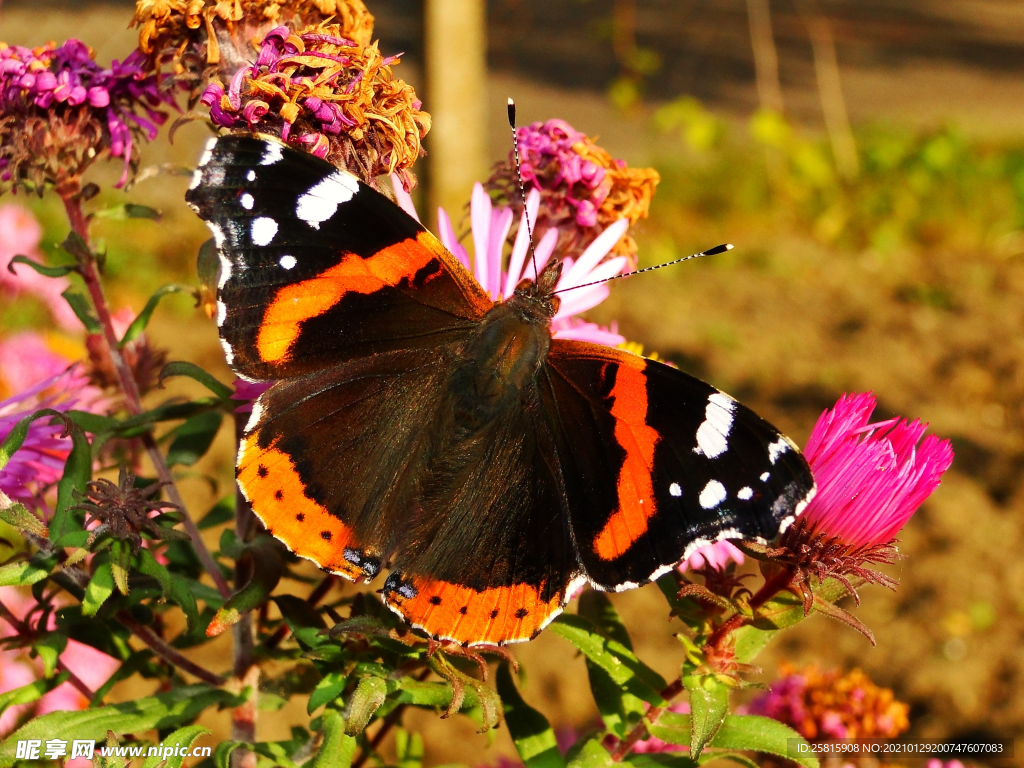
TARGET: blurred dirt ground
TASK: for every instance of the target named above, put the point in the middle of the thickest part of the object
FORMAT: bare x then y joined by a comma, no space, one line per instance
783,322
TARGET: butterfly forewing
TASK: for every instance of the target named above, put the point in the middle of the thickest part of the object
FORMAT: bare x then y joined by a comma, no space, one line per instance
316,267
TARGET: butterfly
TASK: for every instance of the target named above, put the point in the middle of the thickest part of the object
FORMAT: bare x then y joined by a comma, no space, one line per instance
418,426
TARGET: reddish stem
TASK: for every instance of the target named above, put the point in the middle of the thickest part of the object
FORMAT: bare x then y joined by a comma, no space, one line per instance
23,629
168,653
639,731
87,268
768,590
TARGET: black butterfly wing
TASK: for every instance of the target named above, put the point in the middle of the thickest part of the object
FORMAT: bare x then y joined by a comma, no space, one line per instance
656,463
317,267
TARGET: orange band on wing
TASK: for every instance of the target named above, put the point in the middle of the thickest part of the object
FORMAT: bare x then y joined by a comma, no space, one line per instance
492,616
635,491
299,302
277,494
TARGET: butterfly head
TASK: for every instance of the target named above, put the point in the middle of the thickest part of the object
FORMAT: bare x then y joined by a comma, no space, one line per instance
538,296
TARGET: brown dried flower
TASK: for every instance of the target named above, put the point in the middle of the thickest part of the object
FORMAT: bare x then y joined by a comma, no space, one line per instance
124,512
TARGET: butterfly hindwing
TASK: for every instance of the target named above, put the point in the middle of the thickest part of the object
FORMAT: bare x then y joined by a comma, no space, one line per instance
656,463
317,267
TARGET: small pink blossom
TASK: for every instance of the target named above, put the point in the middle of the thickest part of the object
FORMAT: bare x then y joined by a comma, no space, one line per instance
654,744
717,555
871,477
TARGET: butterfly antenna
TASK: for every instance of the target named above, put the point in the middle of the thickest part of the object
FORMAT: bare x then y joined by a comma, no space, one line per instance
519,176
709,252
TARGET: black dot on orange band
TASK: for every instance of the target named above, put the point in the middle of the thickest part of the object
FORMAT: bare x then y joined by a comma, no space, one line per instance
521,613
494,613
435,599
464,610
300,517
278,495
261,471
325,535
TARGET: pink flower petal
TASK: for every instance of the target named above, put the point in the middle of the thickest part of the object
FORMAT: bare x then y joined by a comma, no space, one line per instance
480,215
403,198
522,245
596,251
448,238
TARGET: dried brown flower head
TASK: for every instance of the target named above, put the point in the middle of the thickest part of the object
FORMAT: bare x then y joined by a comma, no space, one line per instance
124,512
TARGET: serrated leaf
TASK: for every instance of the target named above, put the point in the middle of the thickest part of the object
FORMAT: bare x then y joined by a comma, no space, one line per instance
366,699
709,704
338,748
21,574
532,734
42,269
138,325
593,755
222,752
193,439
762,734
193,371
120,561
19,516
80,306
327,690
101,586
183,738
621,664
49,647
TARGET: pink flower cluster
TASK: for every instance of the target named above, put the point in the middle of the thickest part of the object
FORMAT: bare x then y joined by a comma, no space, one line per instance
871,477
549,160
49,77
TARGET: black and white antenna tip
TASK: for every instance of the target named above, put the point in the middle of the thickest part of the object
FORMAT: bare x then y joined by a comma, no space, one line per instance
718,249
511,112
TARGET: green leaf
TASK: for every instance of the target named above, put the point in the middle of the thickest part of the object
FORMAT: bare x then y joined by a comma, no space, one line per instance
662,760
138,325
671,727
101,586
593,755
184,738
327,690
408,749
220,513
222,752
709,704
193,371
129,211
42,269
685,608
366,699
18,516
93,423
21,574
80,306
621,664
77,473
620,711
763,734
193,439
162,711
183,596
28,693
49,647
266,573
534,739
338,747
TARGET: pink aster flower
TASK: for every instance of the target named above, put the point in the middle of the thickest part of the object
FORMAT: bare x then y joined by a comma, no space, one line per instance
91,666
871,477
39,463
717,555
20,234
27,360
490,231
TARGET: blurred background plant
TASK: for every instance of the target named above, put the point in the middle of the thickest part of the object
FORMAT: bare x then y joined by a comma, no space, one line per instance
877,211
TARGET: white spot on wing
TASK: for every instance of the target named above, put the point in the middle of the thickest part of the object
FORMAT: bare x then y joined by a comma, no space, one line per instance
229,354
273,154
247,201
675,490
263,230
745,493
287,262
225,270
322,201
251,175
197,177
777,448
713,433
255,416
222,313
218,234
765,476
712,495
207,153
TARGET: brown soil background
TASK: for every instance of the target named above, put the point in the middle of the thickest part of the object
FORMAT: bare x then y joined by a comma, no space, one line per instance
782,322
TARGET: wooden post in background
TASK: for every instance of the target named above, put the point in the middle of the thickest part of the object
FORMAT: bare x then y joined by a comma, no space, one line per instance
456,98
766,58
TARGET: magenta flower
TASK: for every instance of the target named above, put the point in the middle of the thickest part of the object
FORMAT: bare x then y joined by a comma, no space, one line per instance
20,233
39,463
871,477
246,393
716,555
490,231
89,107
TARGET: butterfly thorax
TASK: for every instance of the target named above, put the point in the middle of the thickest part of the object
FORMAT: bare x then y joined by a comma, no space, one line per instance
500,363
